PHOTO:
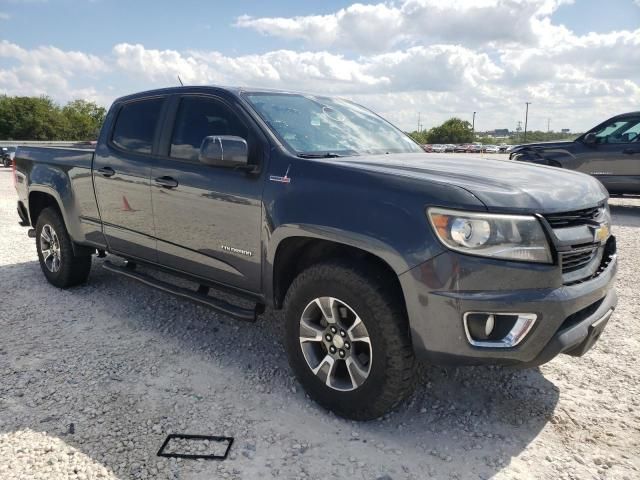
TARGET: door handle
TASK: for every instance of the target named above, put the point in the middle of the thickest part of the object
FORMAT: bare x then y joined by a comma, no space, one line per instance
166,182
629,151
106,172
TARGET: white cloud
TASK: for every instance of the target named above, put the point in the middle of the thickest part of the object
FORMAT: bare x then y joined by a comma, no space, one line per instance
49,71
4,16
577,80
379,27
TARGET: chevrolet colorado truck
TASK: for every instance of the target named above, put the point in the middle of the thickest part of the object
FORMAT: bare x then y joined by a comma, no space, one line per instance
609,151
377,252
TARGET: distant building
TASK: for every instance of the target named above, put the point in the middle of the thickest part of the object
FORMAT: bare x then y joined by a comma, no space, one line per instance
497,133
566,130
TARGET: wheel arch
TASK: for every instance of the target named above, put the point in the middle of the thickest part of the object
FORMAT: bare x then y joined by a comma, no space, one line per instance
298,249
41,197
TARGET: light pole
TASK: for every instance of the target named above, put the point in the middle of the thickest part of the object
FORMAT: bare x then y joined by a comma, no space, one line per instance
526,118
473,127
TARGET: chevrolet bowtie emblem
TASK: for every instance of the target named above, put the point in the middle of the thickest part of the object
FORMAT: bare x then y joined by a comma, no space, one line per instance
601,234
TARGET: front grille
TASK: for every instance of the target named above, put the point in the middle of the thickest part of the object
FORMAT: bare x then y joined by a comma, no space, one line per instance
574,218
578,258
607,257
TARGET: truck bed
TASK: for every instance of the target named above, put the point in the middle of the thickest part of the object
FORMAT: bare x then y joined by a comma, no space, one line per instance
63,156
65,174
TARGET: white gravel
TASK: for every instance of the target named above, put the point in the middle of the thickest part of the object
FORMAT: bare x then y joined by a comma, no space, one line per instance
93,379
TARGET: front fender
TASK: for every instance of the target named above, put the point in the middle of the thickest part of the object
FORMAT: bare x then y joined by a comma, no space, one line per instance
374,246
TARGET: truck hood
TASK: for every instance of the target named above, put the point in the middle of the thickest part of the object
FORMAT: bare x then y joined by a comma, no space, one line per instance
544,145
502,185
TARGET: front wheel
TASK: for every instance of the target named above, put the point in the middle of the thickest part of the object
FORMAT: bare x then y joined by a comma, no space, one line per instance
347,339
6,162
60,265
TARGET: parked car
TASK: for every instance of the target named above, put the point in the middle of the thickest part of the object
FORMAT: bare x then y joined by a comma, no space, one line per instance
427,147
461,148
475,148
503,147
8,153
492,149
377,252
438,148
610,152
449,147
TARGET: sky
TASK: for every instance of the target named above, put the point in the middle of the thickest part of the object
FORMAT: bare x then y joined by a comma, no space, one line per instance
577,62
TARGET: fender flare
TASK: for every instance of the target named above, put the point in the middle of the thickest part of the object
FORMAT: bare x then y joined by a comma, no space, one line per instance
371,245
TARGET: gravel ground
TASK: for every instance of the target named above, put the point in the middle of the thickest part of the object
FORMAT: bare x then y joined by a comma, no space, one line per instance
93,379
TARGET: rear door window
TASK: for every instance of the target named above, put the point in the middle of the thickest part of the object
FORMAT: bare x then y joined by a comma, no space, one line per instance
200,117
136,125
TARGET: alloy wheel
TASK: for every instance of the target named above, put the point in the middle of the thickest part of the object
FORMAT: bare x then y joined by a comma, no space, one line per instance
50,248
335,343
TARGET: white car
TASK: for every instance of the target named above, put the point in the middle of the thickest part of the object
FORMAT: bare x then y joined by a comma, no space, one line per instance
492,149
439,148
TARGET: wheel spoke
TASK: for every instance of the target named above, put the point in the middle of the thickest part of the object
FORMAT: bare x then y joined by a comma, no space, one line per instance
310,332
358,332
46,254
327,360
45,234
357,372
327,306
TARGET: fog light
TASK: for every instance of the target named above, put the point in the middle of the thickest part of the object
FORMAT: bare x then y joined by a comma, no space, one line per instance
480,325
497,330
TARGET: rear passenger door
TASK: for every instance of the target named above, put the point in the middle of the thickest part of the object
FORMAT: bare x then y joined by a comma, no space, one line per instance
208,218
121,174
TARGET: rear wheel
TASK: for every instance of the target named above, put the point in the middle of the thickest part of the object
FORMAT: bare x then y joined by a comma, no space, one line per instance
6,162
348,341
60,265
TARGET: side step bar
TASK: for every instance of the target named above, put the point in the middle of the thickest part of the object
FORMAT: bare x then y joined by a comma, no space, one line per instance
200,297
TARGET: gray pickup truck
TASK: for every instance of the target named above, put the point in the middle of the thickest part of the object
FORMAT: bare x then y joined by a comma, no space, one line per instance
377,252
609,151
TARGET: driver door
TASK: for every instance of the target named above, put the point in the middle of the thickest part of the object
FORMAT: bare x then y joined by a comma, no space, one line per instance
207,218
614,158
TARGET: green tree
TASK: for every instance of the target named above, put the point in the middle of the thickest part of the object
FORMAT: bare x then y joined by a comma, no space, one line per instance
419,136
83,119
453,130
40,118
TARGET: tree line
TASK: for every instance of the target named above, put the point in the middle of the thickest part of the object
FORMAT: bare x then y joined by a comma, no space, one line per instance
458,131
40,118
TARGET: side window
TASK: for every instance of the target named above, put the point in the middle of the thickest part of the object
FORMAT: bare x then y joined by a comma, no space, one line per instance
198,118
136,125
620,131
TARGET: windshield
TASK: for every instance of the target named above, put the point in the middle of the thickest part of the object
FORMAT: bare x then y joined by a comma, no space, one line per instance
322,126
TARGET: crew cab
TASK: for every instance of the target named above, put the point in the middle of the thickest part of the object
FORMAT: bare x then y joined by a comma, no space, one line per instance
377,252
609,151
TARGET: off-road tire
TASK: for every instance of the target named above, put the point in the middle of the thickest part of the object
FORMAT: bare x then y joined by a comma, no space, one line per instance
74,269
377,301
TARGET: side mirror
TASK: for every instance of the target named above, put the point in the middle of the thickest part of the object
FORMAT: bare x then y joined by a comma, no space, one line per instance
225,151
589,139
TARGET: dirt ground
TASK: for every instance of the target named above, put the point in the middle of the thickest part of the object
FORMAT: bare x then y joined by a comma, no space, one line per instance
94,378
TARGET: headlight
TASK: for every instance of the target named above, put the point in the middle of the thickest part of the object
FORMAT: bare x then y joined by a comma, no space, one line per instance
511,237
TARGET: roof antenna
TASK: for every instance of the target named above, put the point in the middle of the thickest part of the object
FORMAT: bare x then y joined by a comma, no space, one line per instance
180,80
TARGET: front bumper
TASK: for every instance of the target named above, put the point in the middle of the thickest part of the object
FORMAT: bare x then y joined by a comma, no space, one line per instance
24,216
440,291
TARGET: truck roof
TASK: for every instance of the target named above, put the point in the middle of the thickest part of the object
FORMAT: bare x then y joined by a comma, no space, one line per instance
204,88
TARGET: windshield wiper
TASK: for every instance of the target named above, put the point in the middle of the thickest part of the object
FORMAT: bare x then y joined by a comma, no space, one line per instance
320,155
